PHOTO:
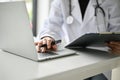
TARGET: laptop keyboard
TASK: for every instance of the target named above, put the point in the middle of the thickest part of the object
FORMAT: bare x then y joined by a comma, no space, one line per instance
41,55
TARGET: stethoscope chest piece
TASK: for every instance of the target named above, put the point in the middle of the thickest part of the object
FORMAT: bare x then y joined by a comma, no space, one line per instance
70,20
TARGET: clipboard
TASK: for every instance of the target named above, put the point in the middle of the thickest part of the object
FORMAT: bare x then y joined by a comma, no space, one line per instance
94,39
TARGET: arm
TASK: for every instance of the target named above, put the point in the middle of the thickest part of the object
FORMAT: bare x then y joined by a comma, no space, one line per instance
114,24
51,29
114,15
52,26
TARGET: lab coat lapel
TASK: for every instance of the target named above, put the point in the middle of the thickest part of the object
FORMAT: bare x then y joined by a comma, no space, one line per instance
76,12
90,11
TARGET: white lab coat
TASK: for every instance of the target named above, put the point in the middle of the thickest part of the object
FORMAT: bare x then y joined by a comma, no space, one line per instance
56,26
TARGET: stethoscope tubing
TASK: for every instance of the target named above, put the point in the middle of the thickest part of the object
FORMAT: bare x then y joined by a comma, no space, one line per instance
99,7
70,7
96,11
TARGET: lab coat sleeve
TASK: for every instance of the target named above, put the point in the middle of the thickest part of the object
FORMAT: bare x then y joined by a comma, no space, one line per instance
52,26
114,15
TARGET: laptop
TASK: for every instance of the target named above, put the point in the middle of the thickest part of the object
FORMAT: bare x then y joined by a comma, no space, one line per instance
16,34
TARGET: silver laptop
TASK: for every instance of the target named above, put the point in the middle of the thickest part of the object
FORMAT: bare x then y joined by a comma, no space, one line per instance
16,35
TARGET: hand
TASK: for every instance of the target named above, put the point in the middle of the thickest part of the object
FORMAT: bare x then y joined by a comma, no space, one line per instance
48,41
114,47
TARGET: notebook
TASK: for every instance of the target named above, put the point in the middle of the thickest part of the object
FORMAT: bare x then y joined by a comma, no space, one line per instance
16,34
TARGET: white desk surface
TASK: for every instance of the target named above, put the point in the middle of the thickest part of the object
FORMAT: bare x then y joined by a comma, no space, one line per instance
77,67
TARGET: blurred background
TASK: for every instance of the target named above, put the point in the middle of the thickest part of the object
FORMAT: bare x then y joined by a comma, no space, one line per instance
38,11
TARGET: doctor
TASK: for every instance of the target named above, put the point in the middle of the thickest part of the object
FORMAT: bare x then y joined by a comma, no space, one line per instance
72,18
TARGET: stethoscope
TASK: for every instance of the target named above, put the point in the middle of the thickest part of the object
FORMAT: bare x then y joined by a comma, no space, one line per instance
70,18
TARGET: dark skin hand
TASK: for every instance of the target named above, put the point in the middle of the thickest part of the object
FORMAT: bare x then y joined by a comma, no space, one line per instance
114,47
45,40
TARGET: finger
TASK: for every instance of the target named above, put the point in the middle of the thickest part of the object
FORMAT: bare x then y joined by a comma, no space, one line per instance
43,49
54,47
36,43
49,41
44,41
110,46
114,46
38,46
114,43
114,51
38,49
40,43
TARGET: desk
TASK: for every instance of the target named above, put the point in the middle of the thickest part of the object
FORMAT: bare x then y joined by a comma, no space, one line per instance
77,67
